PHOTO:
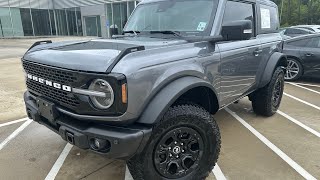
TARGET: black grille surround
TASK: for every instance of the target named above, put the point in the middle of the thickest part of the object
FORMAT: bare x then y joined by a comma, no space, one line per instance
76,103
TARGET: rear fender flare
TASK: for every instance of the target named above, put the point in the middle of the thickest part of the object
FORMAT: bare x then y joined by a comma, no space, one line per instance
275,60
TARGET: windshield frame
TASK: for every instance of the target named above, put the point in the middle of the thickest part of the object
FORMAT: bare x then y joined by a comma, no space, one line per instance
206,32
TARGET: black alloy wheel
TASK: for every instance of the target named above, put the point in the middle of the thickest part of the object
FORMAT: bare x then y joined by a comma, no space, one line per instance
178,153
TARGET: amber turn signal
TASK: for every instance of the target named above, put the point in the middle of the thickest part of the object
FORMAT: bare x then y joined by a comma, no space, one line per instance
124,93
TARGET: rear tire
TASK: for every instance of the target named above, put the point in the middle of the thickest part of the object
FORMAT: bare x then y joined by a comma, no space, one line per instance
266,101
185,144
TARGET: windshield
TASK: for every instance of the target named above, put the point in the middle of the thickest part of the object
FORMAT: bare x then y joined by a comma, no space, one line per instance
188,17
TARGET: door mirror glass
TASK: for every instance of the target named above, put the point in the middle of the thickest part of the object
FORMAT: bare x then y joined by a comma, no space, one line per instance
237,30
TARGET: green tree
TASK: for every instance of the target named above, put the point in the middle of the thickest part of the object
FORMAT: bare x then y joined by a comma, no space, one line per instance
295,12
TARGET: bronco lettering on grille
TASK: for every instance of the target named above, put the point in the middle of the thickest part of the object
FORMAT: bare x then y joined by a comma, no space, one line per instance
49,83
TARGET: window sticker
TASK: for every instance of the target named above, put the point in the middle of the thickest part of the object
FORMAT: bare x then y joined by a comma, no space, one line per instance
202,26
265,18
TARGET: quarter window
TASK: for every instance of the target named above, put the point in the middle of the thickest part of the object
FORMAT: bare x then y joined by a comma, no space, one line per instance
236,11
269,18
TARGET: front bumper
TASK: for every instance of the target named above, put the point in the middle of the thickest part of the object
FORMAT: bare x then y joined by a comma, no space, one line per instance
121,142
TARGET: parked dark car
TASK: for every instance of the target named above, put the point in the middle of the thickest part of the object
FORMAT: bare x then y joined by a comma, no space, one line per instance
296,31
303,56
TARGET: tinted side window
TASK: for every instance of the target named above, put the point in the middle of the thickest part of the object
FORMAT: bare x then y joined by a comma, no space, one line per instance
314,42
295,31
235,11
299,43
298,31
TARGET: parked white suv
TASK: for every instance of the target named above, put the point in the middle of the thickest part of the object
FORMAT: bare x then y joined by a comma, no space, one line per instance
315,28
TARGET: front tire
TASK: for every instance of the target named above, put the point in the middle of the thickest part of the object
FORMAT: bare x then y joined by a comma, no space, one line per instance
185,144
266,101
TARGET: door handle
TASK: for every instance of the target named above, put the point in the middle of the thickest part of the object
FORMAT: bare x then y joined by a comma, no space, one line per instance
257,52
309,54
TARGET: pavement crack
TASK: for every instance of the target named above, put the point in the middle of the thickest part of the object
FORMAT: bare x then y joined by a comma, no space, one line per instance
97,169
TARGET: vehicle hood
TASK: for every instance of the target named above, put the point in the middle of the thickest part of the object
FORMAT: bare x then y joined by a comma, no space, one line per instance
93,55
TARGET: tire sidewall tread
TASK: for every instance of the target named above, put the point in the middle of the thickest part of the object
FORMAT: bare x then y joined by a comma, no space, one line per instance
141,165
262,98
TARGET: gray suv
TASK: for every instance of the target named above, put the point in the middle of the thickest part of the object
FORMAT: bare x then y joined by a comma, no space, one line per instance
148,95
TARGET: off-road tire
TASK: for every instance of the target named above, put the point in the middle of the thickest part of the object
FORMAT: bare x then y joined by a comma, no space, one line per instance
262,99
142,166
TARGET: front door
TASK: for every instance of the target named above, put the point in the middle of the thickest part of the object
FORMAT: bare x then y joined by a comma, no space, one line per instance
311,55
239,59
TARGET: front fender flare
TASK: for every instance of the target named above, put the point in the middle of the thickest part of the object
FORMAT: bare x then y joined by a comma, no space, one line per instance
161,102
273,62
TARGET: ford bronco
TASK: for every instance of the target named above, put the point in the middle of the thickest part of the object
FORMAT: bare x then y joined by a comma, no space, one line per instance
148,95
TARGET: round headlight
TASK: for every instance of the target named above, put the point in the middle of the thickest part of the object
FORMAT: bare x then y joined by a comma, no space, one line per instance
100,102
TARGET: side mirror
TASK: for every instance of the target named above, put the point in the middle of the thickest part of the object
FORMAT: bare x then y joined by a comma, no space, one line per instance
237,30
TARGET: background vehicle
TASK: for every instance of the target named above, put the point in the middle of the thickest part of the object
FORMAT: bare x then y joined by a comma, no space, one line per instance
148,95
296,31
303,56
315,28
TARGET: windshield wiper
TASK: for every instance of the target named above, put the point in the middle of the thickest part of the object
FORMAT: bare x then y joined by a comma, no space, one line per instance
176,33
132,32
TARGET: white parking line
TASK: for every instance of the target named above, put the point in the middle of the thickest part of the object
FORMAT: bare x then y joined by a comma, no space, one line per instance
305,102
299,123
128,175
274,148
57,165
14,134
13,122
218,173
311,85
304,87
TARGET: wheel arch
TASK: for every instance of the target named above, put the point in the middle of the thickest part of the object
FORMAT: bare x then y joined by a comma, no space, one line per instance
276,59
189,89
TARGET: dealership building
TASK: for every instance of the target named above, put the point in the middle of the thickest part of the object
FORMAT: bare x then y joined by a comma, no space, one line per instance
100,18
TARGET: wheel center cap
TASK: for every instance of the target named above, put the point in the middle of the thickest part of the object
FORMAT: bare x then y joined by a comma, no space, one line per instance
176,150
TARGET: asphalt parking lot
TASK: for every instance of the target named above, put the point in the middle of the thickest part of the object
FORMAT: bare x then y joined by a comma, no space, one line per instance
285,146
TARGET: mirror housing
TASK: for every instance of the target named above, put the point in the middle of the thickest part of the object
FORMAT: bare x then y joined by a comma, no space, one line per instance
237,30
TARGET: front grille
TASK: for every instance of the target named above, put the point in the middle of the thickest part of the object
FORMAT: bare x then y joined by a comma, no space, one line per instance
49,73
55,75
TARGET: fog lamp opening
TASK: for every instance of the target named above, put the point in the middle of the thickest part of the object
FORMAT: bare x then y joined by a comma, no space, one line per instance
100,145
